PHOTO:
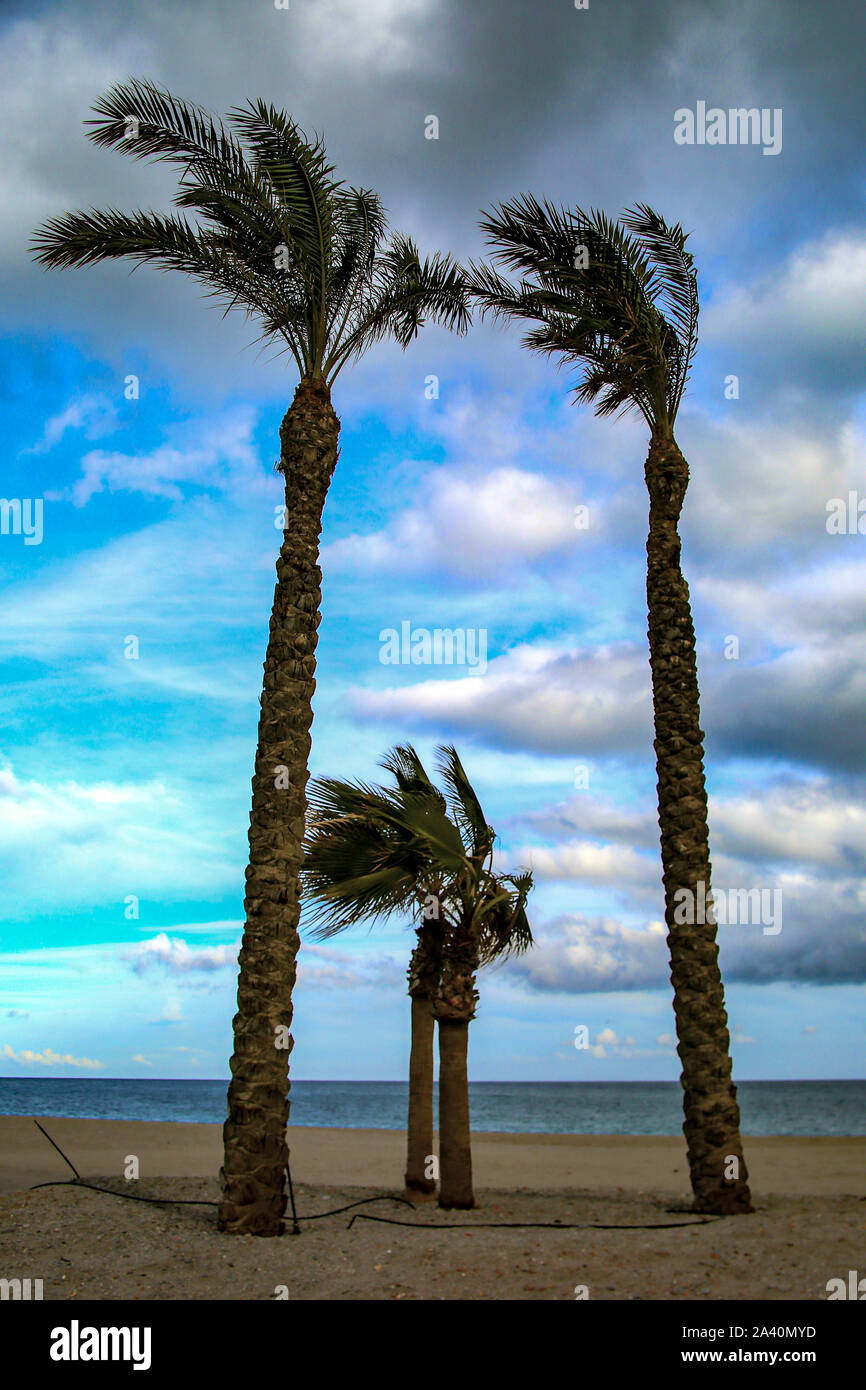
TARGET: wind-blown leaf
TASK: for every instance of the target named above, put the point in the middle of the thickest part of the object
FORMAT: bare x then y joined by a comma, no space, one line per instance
372,852
617,300
273,232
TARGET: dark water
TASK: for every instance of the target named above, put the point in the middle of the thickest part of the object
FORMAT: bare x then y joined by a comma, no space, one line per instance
544,1107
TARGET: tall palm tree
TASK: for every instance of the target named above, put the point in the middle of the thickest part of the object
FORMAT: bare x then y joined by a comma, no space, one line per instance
276,236
375,851
620,300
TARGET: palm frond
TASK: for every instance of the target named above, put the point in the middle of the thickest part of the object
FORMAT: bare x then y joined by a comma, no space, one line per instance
403,293
619,297
147,122
466,809
371,852
298,171
361,225
410,774
676,268
275,232
505,929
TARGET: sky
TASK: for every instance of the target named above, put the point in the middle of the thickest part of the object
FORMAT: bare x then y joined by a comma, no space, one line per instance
125,779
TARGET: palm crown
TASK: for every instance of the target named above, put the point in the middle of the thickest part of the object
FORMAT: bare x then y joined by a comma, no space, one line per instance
373,851
620,298
276,235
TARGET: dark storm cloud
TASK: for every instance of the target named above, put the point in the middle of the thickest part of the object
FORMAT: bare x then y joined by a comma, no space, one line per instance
798,928
798,843
802,706
822,942
806,710
575,104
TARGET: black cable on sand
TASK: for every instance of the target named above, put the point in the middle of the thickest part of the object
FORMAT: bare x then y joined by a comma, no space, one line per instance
532,1225
78,1181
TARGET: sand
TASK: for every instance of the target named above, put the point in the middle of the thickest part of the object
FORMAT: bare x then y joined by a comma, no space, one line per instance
809,1226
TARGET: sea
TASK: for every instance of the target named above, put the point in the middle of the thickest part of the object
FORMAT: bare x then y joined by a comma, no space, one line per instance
510,1107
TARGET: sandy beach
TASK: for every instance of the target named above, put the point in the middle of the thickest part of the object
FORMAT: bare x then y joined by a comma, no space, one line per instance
809,1225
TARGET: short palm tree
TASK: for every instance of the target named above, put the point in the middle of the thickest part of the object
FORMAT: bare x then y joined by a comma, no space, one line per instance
278,237
375,851
620,300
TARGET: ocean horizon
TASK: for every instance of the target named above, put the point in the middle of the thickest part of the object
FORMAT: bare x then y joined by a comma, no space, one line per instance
542,1107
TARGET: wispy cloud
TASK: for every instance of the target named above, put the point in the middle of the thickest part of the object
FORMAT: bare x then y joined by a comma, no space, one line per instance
94,414
175,956
48,1058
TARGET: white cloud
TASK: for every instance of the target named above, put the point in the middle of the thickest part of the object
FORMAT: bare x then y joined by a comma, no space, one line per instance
175,955
796,690
164,584
583,955
48,1058
234,927
94,413
802,823
47,157
583,861
328,967
540,697
801,465
107,841
815,300
607,1043
799,841
216,454
594,815
469,526
382,32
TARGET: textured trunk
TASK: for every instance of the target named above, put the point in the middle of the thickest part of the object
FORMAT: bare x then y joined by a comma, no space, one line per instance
256,1153
454,1008
712,1116
423,975
455,1145
419,1146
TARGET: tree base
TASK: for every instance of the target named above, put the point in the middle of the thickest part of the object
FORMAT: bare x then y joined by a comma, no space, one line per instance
251,1206
248,1221
414,1192
419,1184
731,1199
456,1204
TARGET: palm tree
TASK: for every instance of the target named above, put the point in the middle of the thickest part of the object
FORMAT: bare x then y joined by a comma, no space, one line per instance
425,966
278,237
374,851
620,300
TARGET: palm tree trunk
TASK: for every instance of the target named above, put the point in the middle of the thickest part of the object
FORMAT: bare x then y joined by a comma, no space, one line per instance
423,974
256,1152
712,1116
455,1144
419,1146
454,1008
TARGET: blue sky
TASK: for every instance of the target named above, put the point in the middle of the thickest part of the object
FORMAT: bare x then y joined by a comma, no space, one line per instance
126,779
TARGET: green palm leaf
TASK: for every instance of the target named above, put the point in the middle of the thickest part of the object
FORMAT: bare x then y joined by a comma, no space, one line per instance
617,300
275,234
372,852
465,806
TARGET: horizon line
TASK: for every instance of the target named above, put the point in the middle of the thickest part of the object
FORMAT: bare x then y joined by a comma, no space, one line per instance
501,1081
